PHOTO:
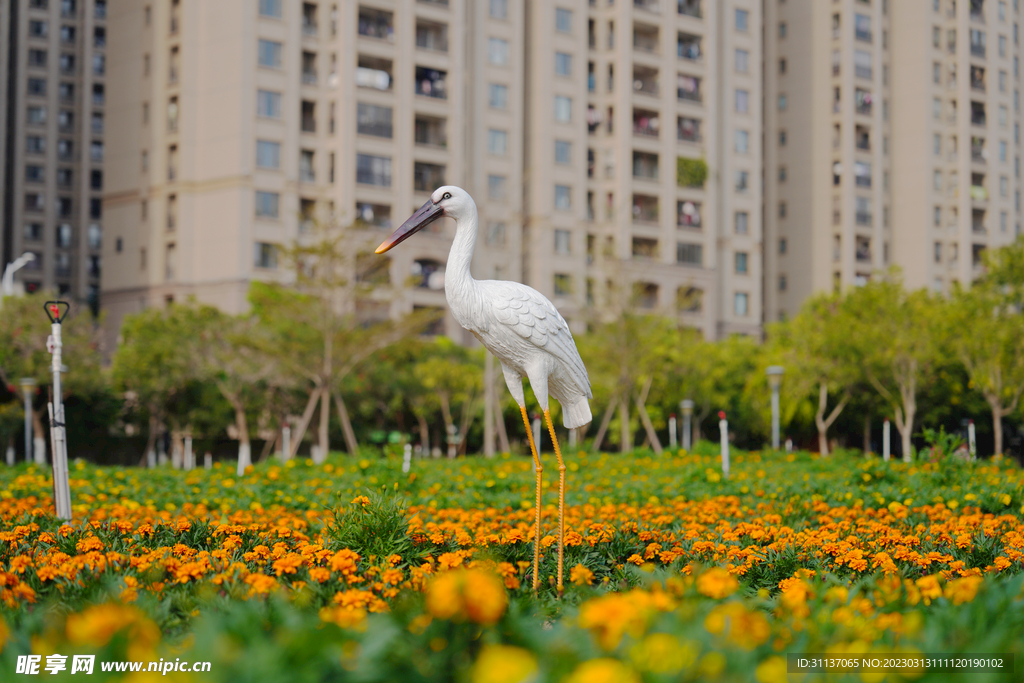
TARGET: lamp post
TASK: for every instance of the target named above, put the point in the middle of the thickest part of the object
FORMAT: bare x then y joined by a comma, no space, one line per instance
7,283
775,381
687,406
28,385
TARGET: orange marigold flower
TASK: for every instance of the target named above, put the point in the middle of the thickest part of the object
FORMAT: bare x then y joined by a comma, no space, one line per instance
1001,563
580,575
260,584
361,500
24,592
319,574
635,559
929,587
449,560
962,590
345,561
472,594
287,564
345,617
717,583
89,543
96,625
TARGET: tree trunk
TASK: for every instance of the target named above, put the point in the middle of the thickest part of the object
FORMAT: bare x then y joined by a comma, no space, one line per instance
867,434
268,446
697,420
652,436
449,424
147,459
821,421
605,421
626,432
244,447
997,420
307,415
424,434
905,417
468,413
346,426
39,438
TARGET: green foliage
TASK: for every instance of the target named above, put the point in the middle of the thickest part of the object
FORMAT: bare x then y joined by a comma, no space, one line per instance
375,526
691,172
941,444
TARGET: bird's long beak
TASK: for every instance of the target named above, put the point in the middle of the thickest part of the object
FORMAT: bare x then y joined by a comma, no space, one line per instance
424,216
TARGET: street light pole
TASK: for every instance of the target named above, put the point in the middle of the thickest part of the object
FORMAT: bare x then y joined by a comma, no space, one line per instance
775,381
28,385
7,283
61,484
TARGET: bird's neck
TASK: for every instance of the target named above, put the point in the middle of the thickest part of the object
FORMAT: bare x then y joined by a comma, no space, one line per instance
457,275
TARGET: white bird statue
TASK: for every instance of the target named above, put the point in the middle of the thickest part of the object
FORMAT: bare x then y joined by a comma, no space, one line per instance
521,328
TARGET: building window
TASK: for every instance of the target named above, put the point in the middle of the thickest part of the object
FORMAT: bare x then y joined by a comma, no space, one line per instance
742,61
497,142
563,20
563,197
782,209
741,262
563,152
269,53
563,64
563,108
498,96
782,66
742,101
267,204
741,141
740,304
563,284
268,154
783,102
562,244
37,86
937,217
36,116
741,222
499,9
690,254
938,252
496,187
742,19
742,181
495,233
268,104
270,8
782,245
265,255
373,170
497,51
782,30
782,138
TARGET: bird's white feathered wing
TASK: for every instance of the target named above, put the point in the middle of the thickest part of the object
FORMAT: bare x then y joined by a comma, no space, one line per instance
535,320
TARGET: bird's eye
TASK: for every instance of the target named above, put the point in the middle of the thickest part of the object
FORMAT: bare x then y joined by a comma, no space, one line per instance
446,195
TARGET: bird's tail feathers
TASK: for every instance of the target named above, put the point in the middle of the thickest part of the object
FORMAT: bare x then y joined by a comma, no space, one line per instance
576,414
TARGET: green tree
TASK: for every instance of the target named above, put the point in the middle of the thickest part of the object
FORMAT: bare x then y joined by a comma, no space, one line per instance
451,376
986,330
896,336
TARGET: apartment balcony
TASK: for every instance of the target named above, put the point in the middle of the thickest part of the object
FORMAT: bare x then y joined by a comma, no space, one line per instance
309,23
688,88
688,130
374,73
863,250
978,114
647,5
688,47
862,138
978,222
978,79
978,50
689,8
646,123
688,215
862,34
376,24
427,177
645,38
645,208
863,218
859,72
645,166
862,102
308,119
977,11
431,83
979,193
309,77
978,153
431,131
432,36
645,80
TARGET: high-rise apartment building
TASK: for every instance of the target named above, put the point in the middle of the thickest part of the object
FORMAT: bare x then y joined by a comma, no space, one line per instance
53,81
667,207
343,111
891,139
569,122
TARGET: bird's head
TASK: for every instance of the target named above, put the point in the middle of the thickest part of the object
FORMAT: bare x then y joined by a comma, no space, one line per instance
447,200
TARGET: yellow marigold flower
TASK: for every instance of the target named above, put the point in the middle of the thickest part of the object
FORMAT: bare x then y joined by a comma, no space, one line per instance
580,575
744,628
771,670
287,564
360,500
449,560
471,594
717,583
610,616
635,559
89,543
1001,563
963,590
662,653
96,625
504,664
603,670
345,617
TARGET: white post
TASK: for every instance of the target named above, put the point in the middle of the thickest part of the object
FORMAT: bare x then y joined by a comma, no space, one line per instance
244,458
28,384
151,458
885,440
687,406
10,453
723,427
774,381
208,460
189,457
789,445
286,442
972,444
536,432
672,430
572,438
61,485
407,458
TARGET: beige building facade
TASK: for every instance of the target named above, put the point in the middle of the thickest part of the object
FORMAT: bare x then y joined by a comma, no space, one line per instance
53,78
889,130
567,135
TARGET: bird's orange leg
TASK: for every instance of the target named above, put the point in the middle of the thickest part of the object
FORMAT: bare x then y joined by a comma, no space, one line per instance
540,469
561,499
